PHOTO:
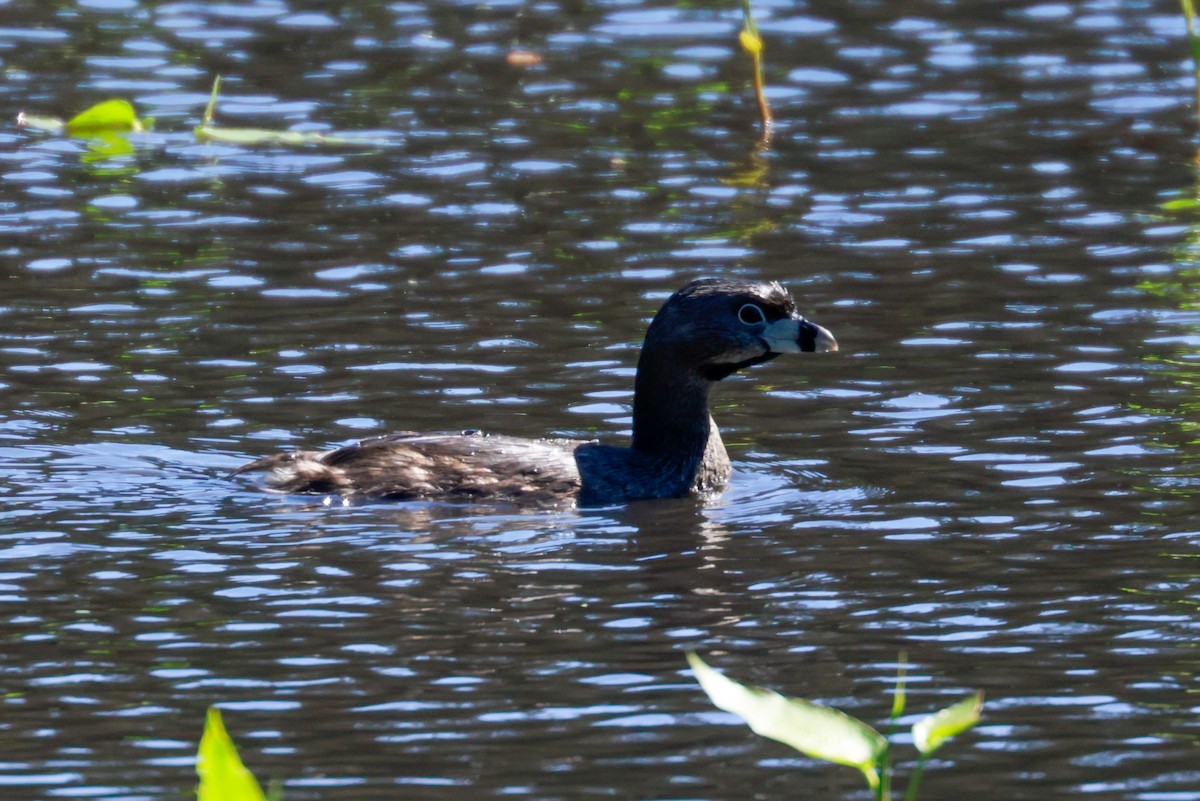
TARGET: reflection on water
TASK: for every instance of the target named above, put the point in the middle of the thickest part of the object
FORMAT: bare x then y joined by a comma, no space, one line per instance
996,474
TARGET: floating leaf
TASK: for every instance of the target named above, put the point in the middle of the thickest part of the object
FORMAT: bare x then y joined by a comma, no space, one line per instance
264,137
111,116
1180,203
40,123
223,777
931,731
818,731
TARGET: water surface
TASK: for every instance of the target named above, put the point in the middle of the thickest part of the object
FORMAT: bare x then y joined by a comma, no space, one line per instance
997,474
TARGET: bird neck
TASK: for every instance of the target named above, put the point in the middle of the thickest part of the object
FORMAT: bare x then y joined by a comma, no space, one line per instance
670,410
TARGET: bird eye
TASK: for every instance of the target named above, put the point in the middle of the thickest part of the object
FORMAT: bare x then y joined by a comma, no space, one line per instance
750,314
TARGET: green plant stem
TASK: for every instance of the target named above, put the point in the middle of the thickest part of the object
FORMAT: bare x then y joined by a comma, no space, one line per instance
914,781
206,120
1189,15
899,699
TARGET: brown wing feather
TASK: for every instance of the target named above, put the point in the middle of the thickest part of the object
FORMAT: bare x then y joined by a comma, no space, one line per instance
407,466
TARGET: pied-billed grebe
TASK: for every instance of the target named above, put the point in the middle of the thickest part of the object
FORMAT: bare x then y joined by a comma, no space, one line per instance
703,333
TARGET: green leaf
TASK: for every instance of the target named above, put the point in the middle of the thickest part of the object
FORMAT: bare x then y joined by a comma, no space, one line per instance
111,116
900,696
818,731
40,123
932,730
1180,203
206,120
223,777
262,137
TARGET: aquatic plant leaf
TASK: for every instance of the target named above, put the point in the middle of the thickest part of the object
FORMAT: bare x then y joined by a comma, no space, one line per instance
263,137
209,109
111,116
900,697
932,730
819,731
40,123
223,777
1180,203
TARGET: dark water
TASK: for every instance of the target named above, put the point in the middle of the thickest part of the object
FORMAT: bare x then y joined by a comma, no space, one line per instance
997,474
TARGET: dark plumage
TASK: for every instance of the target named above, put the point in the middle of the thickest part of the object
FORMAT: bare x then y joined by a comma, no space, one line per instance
703,333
